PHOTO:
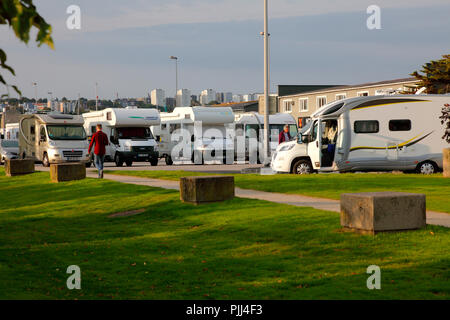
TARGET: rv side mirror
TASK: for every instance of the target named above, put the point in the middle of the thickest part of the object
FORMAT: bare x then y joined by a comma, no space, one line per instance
112,139
305,138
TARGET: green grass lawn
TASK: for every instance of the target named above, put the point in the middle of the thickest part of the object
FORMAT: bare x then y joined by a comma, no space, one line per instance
240,249
436,188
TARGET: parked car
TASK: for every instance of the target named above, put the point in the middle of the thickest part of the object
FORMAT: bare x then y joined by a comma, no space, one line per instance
9,149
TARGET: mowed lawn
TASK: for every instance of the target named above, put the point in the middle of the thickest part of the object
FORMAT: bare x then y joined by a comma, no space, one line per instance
436,188
240,249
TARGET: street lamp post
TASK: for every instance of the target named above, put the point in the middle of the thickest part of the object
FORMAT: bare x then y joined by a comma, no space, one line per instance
266,85
96,96
176,77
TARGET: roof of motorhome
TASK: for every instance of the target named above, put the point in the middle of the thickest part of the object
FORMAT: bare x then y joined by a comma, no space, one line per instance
57,118
354,102
279,118
126,116
362,85
204,114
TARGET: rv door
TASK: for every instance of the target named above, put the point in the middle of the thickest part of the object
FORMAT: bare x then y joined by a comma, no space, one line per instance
315,144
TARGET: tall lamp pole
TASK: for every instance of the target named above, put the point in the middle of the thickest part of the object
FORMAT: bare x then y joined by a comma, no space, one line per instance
266,85
176,77
96,96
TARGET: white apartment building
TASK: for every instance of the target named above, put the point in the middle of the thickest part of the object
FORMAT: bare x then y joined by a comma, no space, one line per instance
238,98
227,97
158,97
207,96
183,98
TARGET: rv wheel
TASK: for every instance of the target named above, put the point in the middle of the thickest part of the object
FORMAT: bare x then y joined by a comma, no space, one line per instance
169,160
129,163
426,167
302,167
45,161
118,160
154,162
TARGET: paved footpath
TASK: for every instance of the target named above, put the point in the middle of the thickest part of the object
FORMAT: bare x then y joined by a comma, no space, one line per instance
434,218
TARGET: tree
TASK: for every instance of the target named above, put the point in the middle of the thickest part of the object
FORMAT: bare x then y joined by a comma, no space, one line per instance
445,119
21,16
436,76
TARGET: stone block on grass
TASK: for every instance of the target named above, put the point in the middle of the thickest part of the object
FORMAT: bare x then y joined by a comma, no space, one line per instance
62,172
446,162
18,167
375,212
206,189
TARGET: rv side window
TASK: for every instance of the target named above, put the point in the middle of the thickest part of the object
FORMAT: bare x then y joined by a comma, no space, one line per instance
163,126
93,129
32,130
400,125
43,134
367,126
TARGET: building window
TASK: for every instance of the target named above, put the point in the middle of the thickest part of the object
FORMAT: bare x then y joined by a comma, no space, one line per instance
400,125
367,126
287,104
303,102
321,101
363,94
341,96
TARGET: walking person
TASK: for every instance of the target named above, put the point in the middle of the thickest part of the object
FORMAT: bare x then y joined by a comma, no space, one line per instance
100,140
284,136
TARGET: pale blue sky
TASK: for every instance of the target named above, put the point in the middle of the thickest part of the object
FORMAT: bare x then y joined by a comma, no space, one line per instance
125,45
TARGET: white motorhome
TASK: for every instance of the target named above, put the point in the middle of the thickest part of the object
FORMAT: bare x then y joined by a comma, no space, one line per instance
128,131
251,125
378,133
53,138
204,144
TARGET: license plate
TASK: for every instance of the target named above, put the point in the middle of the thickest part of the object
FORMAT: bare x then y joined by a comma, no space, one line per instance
142,155
72,159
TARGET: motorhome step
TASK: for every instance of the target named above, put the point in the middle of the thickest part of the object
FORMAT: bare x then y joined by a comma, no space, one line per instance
206,189
375,212
62,172
16,167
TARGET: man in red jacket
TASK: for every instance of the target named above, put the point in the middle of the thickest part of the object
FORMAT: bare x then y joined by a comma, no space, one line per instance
284,135
100,140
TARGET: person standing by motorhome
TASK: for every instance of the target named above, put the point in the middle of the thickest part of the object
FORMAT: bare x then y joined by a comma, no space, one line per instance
100,140
284,136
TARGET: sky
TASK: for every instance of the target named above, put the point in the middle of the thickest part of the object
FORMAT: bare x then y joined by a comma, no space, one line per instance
124,45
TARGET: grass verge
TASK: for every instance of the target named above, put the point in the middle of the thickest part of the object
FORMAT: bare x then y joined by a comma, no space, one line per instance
239,249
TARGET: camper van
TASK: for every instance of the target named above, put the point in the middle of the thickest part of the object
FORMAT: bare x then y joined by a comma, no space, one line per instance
251,125
212,138
378,133
53,138
128,131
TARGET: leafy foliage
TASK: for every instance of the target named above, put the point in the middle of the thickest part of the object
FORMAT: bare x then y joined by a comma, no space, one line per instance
21,16
445,119
436,76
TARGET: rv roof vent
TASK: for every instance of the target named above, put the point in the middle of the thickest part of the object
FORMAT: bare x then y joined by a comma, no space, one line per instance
61,116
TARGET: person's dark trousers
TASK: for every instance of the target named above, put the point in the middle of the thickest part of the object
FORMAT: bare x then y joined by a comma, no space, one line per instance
99,159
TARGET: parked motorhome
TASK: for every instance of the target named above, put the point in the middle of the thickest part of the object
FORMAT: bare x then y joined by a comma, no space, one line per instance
251,125
212,138
128,131
378,133
53,138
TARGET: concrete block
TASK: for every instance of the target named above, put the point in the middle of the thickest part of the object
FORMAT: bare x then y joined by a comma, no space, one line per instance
383,211
206,189
67,172
18,167
446,159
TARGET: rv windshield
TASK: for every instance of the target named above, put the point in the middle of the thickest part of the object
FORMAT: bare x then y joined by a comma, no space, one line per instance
64,132
134,133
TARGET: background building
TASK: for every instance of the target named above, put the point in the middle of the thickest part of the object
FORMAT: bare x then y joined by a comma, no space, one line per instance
303,104
207,96
158,97
183,98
